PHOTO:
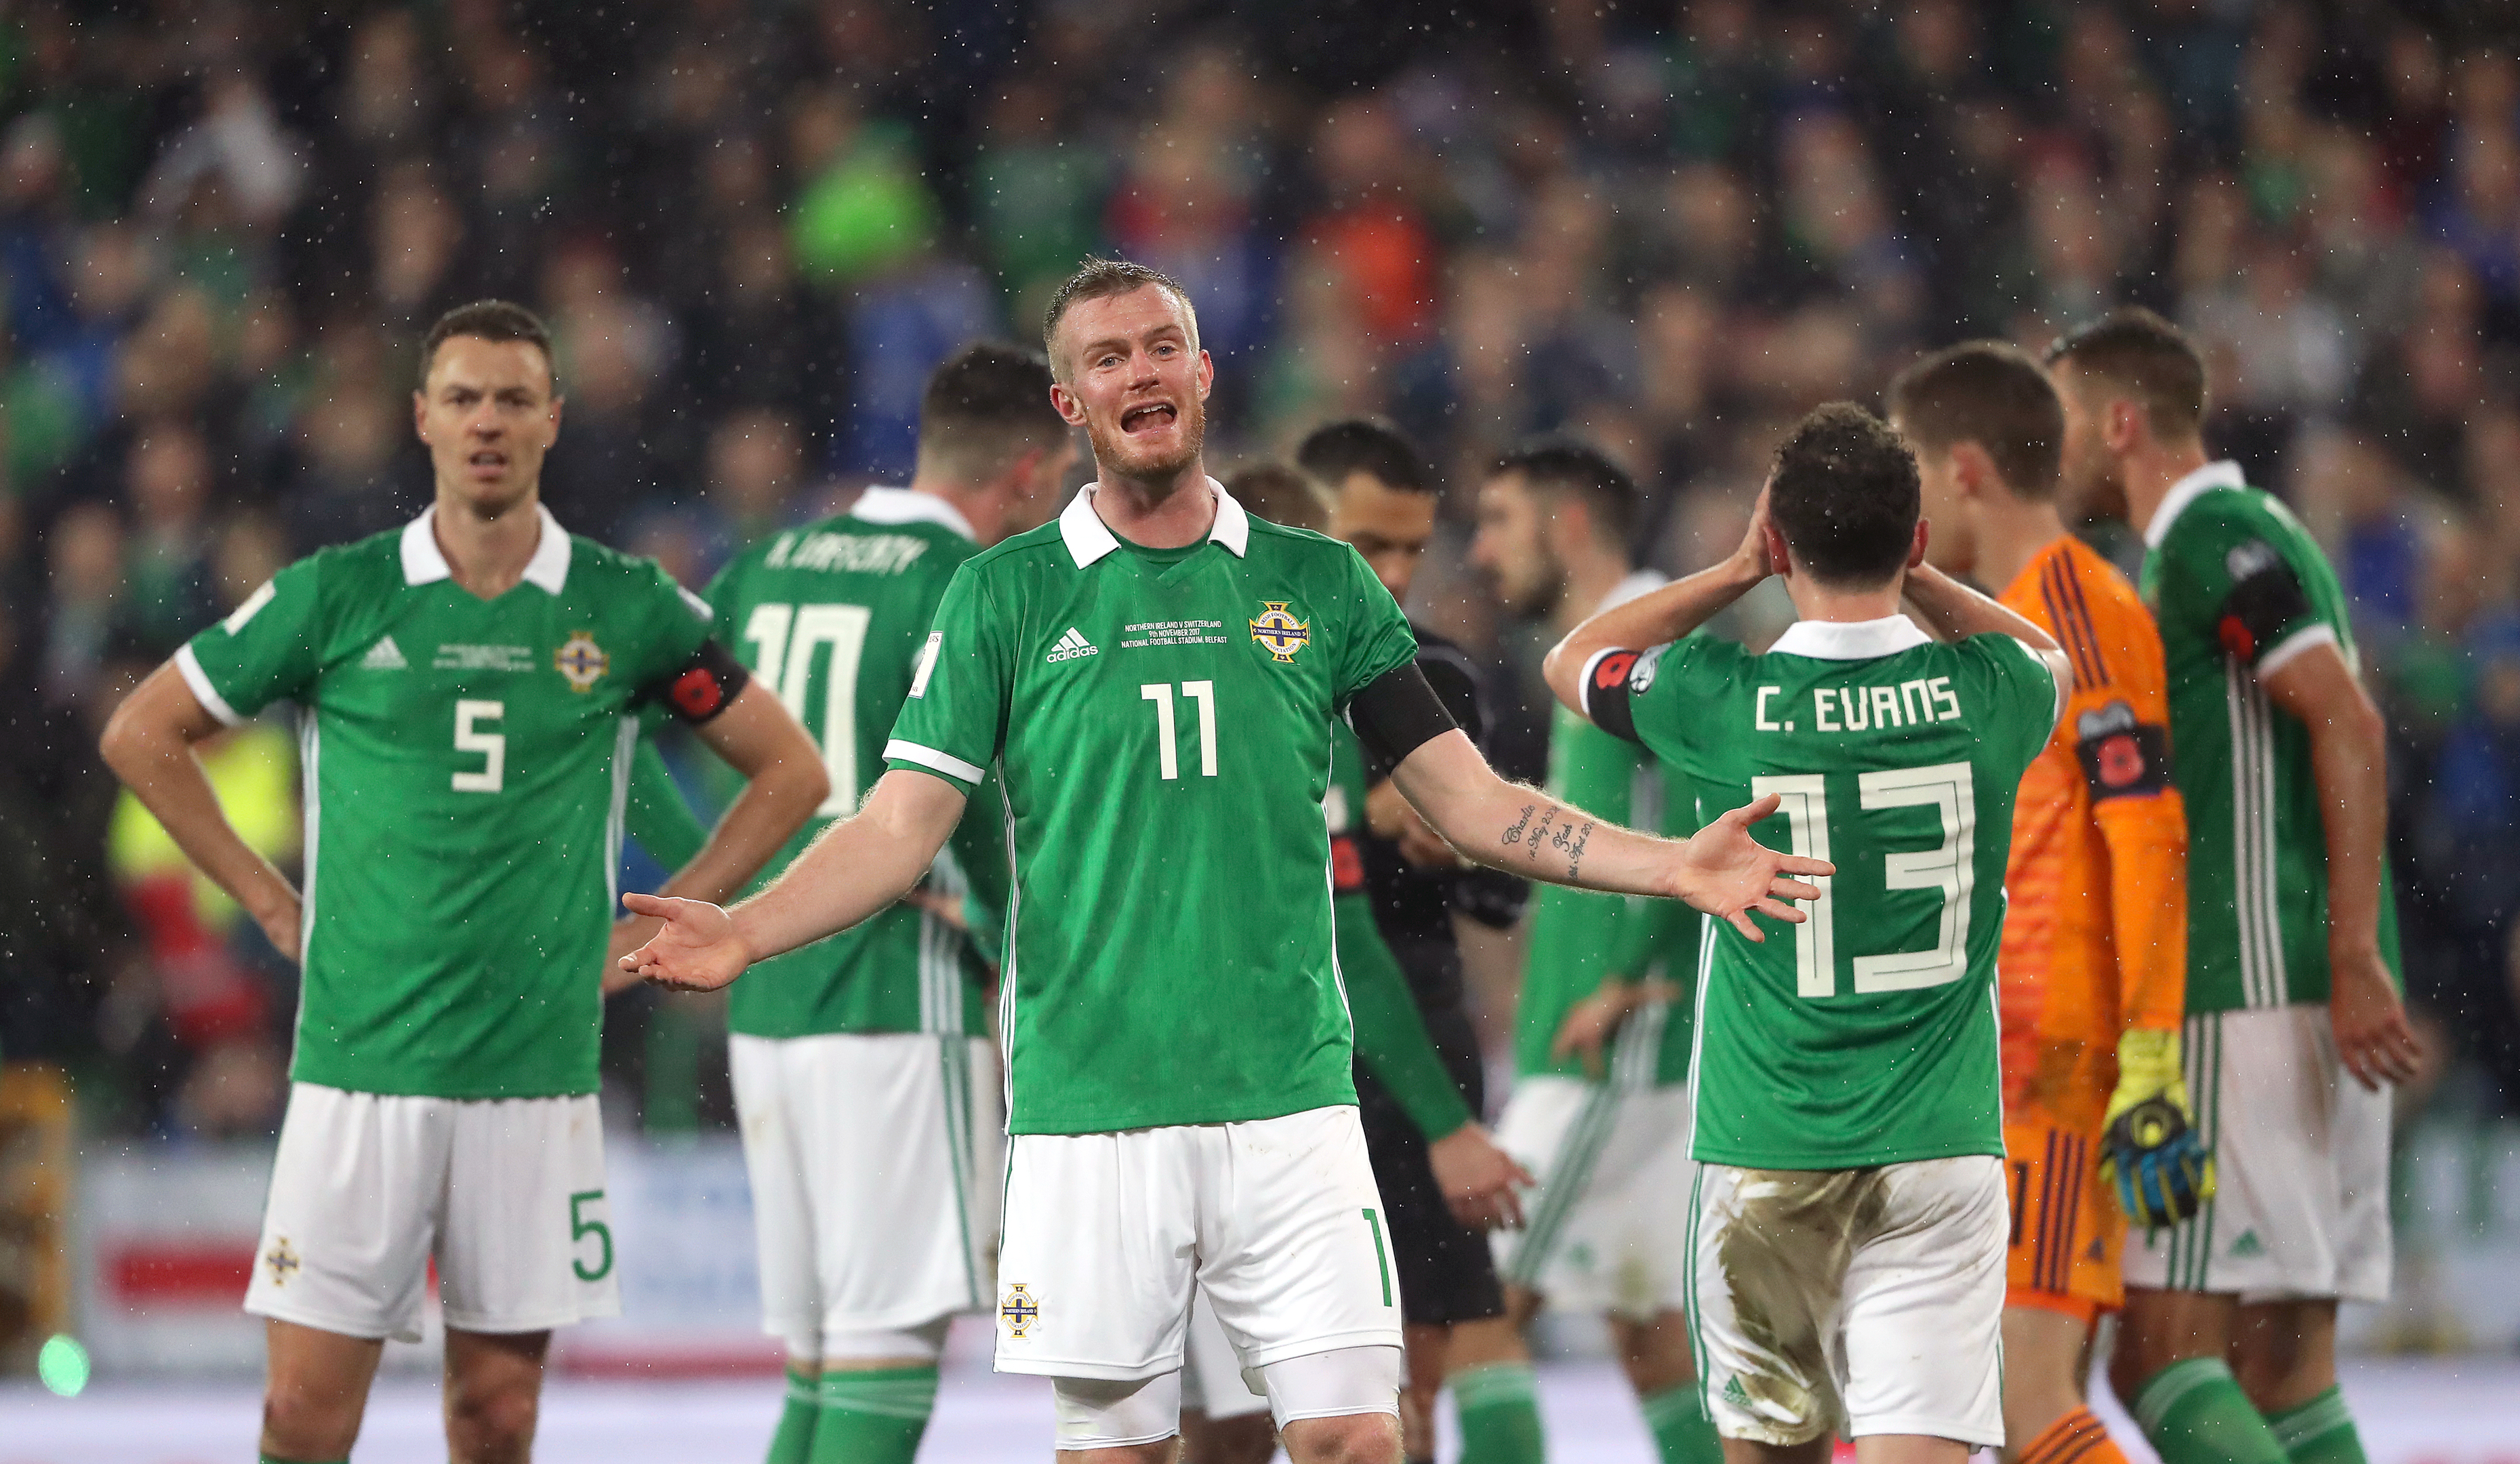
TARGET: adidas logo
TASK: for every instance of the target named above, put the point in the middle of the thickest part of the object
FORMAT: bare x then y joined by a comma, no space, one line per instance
2247,1244
385,655
1071,646
1735,1394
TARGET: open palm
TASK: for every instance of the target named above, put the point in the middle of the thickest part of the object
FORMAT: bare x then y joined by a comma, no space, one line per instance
1726,872
695,950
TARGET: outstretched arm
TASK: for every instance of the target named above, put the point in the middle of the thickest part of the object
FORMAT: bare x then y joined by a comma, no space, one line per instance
149,744
1521,830
858,866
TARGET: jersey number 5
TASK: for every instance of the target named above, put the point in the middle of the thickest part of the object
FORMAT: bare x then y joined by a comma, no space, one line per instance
788,637
493,747
1950,868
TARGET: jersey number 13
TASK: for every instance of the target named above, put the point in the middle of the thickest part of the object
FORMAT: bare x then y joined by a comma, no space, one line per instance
1951,867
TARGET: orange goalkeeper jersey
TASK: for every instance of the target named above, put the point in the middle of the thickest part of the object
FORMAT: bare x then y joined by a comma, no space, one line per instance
2096,938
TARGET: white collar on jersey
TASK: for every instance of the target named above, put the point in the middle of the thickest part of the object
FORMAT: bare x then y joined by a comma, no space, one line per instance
423,562
1090,539
1850,640
2213,476
882,505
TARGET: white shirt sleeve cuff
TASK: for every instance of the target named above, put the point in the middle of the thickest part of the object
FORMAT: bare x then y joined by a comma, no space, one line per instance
2284,651
188,666
929,758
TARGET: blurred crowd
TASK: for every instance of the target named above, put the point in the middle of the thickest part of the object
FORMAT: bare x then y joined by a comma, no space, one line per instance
754,224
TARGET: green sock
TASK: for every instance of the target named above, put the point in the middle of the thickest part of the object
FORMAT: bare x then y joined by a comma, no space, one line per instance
1498,1407
794,1443
2318,1432
873,1416
1681,1427
2196,1413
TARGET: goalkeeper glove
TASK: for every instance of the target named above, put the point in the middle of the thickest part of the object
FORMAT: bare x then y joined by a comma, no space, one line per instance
2160,1165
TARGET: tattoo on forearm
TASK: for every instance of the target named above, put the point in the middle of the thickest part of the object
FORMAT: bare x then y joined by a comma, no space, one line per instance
1540,835
1545,827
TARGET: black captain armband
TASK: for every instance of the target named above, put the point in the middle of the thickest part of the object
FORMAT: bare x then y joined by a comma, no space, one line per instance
1613,681
1398,713
700,687
2265,601
2121,756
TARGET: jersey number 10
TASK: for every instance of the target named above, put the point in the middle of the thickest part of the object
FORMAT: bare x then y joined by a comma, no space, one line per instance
788,636
1951,869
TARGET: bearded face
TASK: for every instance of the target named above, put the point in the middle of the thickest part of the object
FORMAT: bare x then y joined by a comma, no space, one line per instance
1137,381
2092,484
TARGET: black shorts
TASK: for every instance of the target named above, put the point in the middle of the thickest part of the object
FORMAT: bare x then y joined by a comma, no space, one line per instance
1447,1273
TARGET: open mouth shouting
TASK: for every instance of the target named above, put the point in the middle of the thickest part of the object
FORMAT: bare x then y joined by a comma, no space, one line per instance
487,462
1148,417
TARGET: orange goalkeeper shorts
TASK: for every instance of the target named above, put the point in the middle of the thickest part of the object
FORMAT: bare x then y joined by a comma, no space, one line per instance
2066,1226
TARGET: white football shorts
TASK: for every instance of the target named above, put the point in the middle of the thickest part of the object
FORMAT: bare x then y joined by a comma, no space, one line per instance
1853,1301
875,1160
1605,1232
1276,1220
1212,1377
506,1195
2301,1168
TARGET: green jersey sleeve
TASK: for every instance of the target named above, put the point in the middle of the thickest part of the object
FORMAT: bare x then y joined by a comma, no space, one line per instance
1379,641
2242,557
955,717
657,815
1656,934
1654,696
1391,1037
673,625
269,648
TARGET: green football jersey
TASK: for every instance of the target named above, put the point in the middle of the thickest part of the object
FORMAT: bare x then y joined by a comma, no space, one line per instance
2239,589
1577,937
1867,1035
834,617
466,763
1161,724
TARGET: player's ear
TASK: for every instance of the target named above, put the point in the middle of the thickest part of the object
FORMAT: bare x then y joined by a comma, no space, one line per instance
1207,374
1971,470
1917,550
420,415
1070,410
1780,554
1013,481
2123,425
